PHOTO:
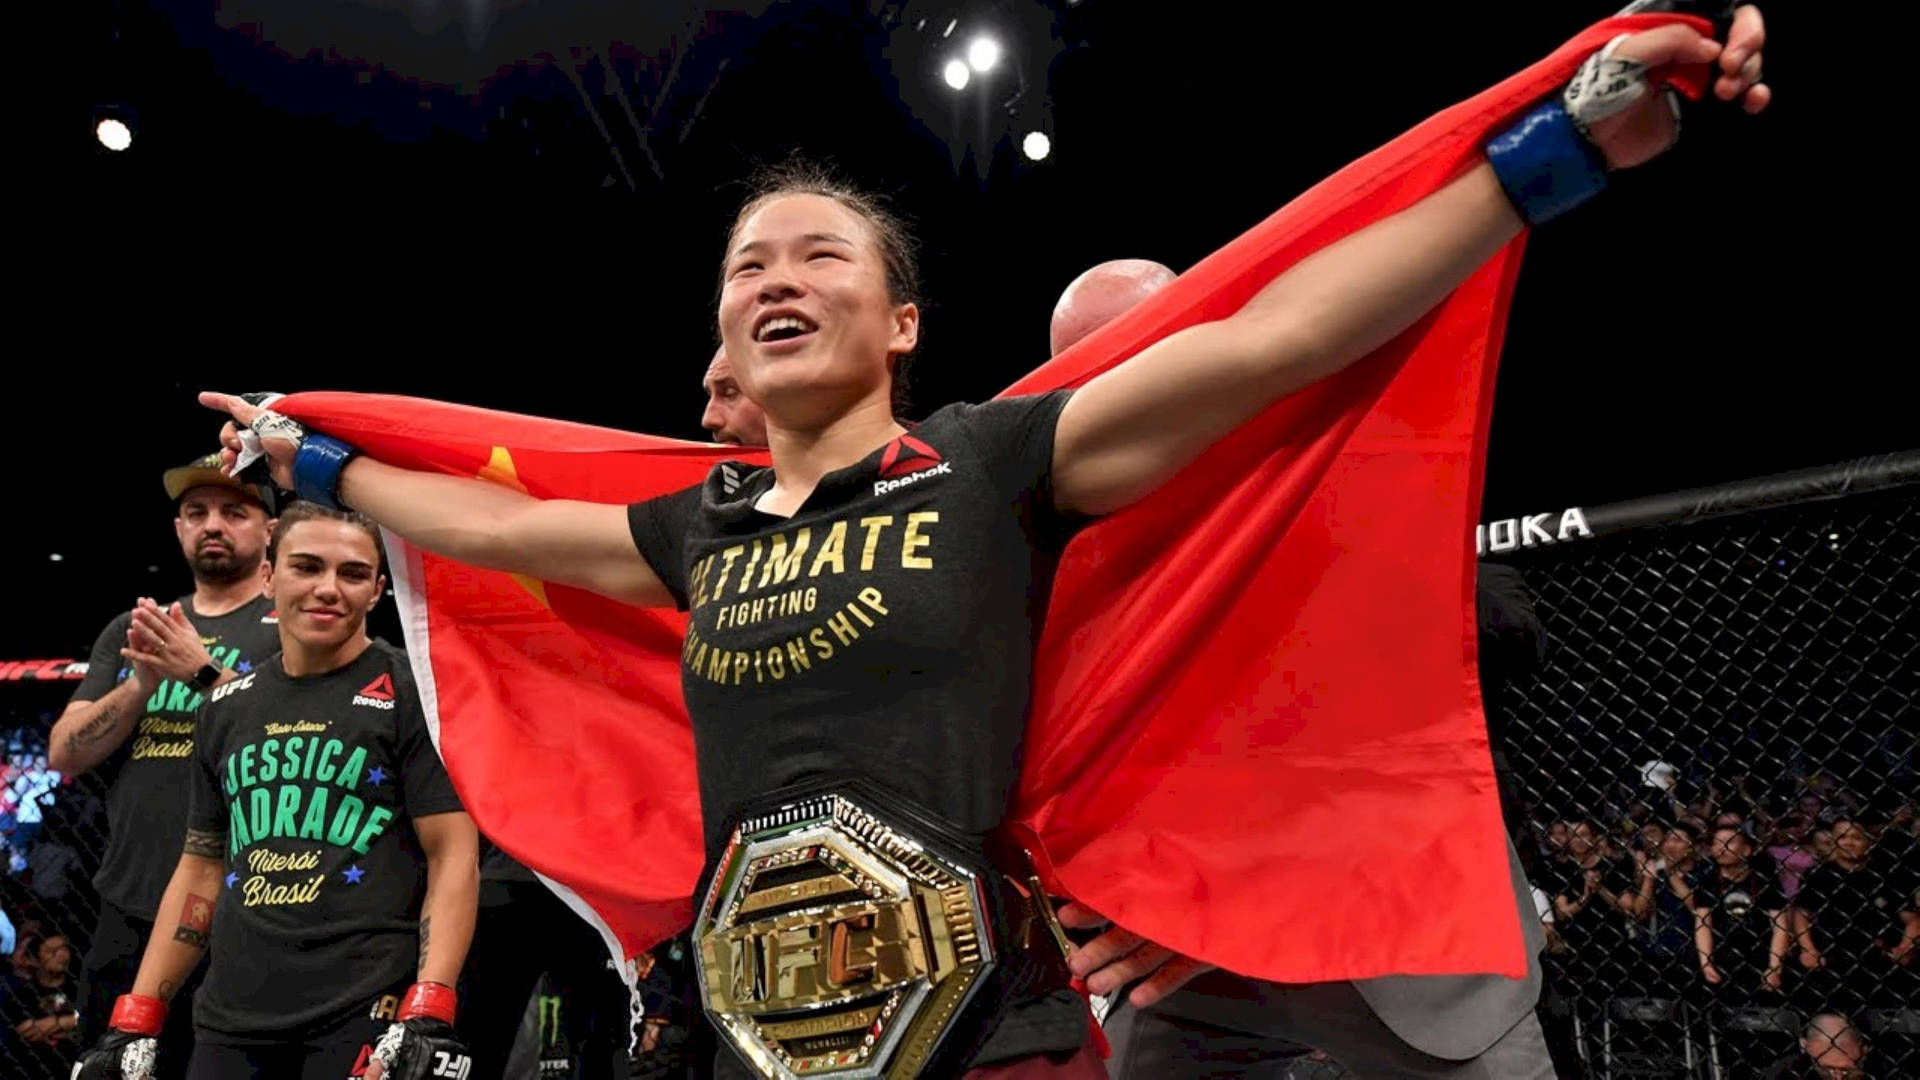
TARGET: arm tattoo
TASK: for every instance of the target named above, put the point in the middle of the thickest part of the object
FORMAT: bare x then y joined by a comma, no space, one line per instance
167,989
206,844
95,728
426,923
196,919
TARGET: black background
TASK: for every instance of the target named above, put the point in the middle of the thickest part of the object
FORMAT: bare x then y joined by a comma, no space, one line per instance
411,196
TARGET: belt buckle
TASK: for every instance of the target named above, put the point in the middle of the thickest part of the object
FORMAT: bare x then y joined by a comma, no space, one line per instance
834,942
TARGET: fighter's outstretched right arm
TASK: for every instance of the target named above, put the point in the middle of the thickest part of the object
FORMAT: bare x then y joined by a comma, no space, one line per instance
583,544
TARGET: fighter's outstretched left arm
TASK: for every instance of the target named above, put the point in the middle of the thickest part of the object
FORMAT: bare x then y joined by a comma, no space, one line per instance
1135,426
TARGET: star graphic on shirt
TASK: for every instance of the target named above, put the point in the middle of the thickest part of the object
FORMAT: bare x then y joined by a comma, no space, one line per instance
376,775
243,667
232,877
353,874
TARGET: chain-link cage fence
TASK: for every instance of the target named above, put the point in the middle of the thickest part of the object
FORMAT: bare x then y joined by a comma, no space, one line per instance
1715,769
54,832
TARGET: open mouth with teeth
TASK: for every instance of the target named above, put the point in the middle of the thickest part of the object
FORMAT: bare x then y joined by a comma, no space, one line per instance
783,328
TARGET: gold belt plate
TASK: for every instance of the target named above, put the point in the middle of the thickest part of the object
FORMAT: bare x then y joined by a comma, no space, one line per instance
834,944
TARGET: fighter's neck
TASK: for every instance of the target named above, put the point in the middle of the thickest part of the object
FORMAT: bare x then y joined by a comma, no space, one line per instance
214,598
802,456
299,660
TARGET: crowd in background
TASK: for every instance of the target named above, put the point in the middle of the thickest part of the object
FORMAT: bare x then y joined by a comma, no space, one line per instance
1731,902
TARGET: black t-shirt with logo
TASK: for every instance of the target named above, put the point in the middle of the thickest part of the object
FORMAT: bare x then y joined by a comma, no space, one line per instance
1852,909
146,804
315,782
1743,913
885,631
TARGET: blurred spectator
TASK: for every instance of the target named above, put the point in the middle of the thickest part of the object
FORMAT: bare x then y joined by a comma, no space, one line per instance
1743,931
1663,900
1831,1049
1821,843
1590,890
1553,842
1647,844
32,789
6,933
1790,850
1847,921
39,1009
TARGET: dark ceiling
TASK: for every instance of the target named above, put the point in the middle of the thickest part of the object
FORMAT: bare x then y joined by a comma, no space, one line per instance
520,205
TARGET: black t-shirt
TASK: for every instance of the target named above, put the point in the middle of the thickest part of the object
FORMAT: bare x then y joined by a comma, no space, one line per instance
1599,928
1743,914
1670,925
885,631
497,865
146,804
315,783
1851,909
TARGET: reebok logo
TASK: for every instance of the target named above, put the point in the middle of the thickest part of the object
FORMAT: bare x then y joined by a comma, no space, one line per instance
911,461
907,454
377,694
881,487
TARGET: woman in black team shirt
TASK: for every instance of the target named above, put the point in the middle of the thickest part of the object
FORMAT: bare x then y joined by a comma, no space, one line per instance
329,870
927,548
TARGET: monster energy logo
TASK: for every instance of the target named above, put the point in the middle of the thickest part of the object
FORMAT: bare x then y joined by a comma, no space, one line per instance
549,1021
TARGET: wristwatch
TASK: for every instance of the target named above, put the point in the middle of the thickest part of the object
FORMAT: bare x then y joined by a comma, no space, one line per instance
206,677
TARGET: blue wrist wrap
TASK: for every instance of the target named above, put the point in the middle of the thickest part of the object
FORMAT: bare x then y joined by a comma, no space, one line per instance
317,466
1546,165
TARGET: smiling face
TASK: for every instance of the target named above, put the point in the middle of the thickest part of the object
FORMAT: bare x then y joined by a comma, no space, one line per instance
807,318
324,579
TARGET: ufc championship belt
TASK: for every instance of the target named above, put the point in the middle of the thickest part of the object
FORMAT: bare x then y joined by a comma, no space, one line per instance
845,933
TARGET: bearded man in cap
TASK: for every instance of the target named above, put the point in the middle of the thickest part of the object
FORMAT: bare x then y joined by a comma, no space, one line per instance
132,719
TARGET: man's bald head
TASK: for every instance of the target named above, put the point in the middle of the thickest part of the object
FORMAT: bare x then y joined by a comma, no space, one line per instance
730,417
1835,1045
1101,295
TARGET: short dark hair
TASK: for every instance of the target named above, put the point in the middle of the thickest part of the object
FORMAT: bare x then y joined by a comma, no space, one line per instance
898,251
308,511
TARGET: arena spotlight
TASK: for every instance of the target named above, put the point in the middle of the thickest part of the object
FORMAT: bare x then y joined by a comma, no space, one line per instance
113,133
982,54
1036,146
956,74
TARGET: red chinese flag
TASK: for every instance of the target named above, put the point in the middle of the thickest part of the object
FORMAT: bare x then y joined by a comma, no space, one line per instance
1257,734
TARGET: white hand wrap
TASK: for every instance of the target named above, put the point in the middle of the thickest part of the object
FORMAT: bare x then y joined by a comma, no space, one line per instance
1604,85
139,1059
268,425
387,1050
